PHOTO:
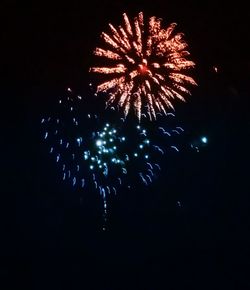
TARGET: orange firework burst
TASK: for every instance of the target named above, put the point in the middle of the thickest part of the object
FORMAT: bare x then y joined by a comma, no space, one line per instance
146,68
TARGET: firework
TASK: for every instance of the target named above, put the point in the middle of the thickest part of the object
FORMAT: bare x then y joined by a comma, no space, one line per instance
92,152
146,66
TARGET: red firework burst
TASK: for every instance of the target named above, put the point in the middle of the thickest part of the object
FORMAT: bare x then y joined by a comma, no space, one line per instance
146,66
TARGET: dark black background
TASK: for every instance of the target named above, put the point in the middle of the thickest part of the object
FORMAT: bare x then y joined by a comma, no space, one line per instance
51,239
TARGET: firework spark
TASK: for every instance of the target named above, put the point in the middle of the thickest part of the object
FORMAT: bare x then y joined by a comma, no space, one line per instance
146,68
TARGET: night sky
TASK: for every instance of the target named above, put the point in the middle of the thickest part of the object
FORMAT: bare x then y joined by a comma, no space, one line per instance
52,235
